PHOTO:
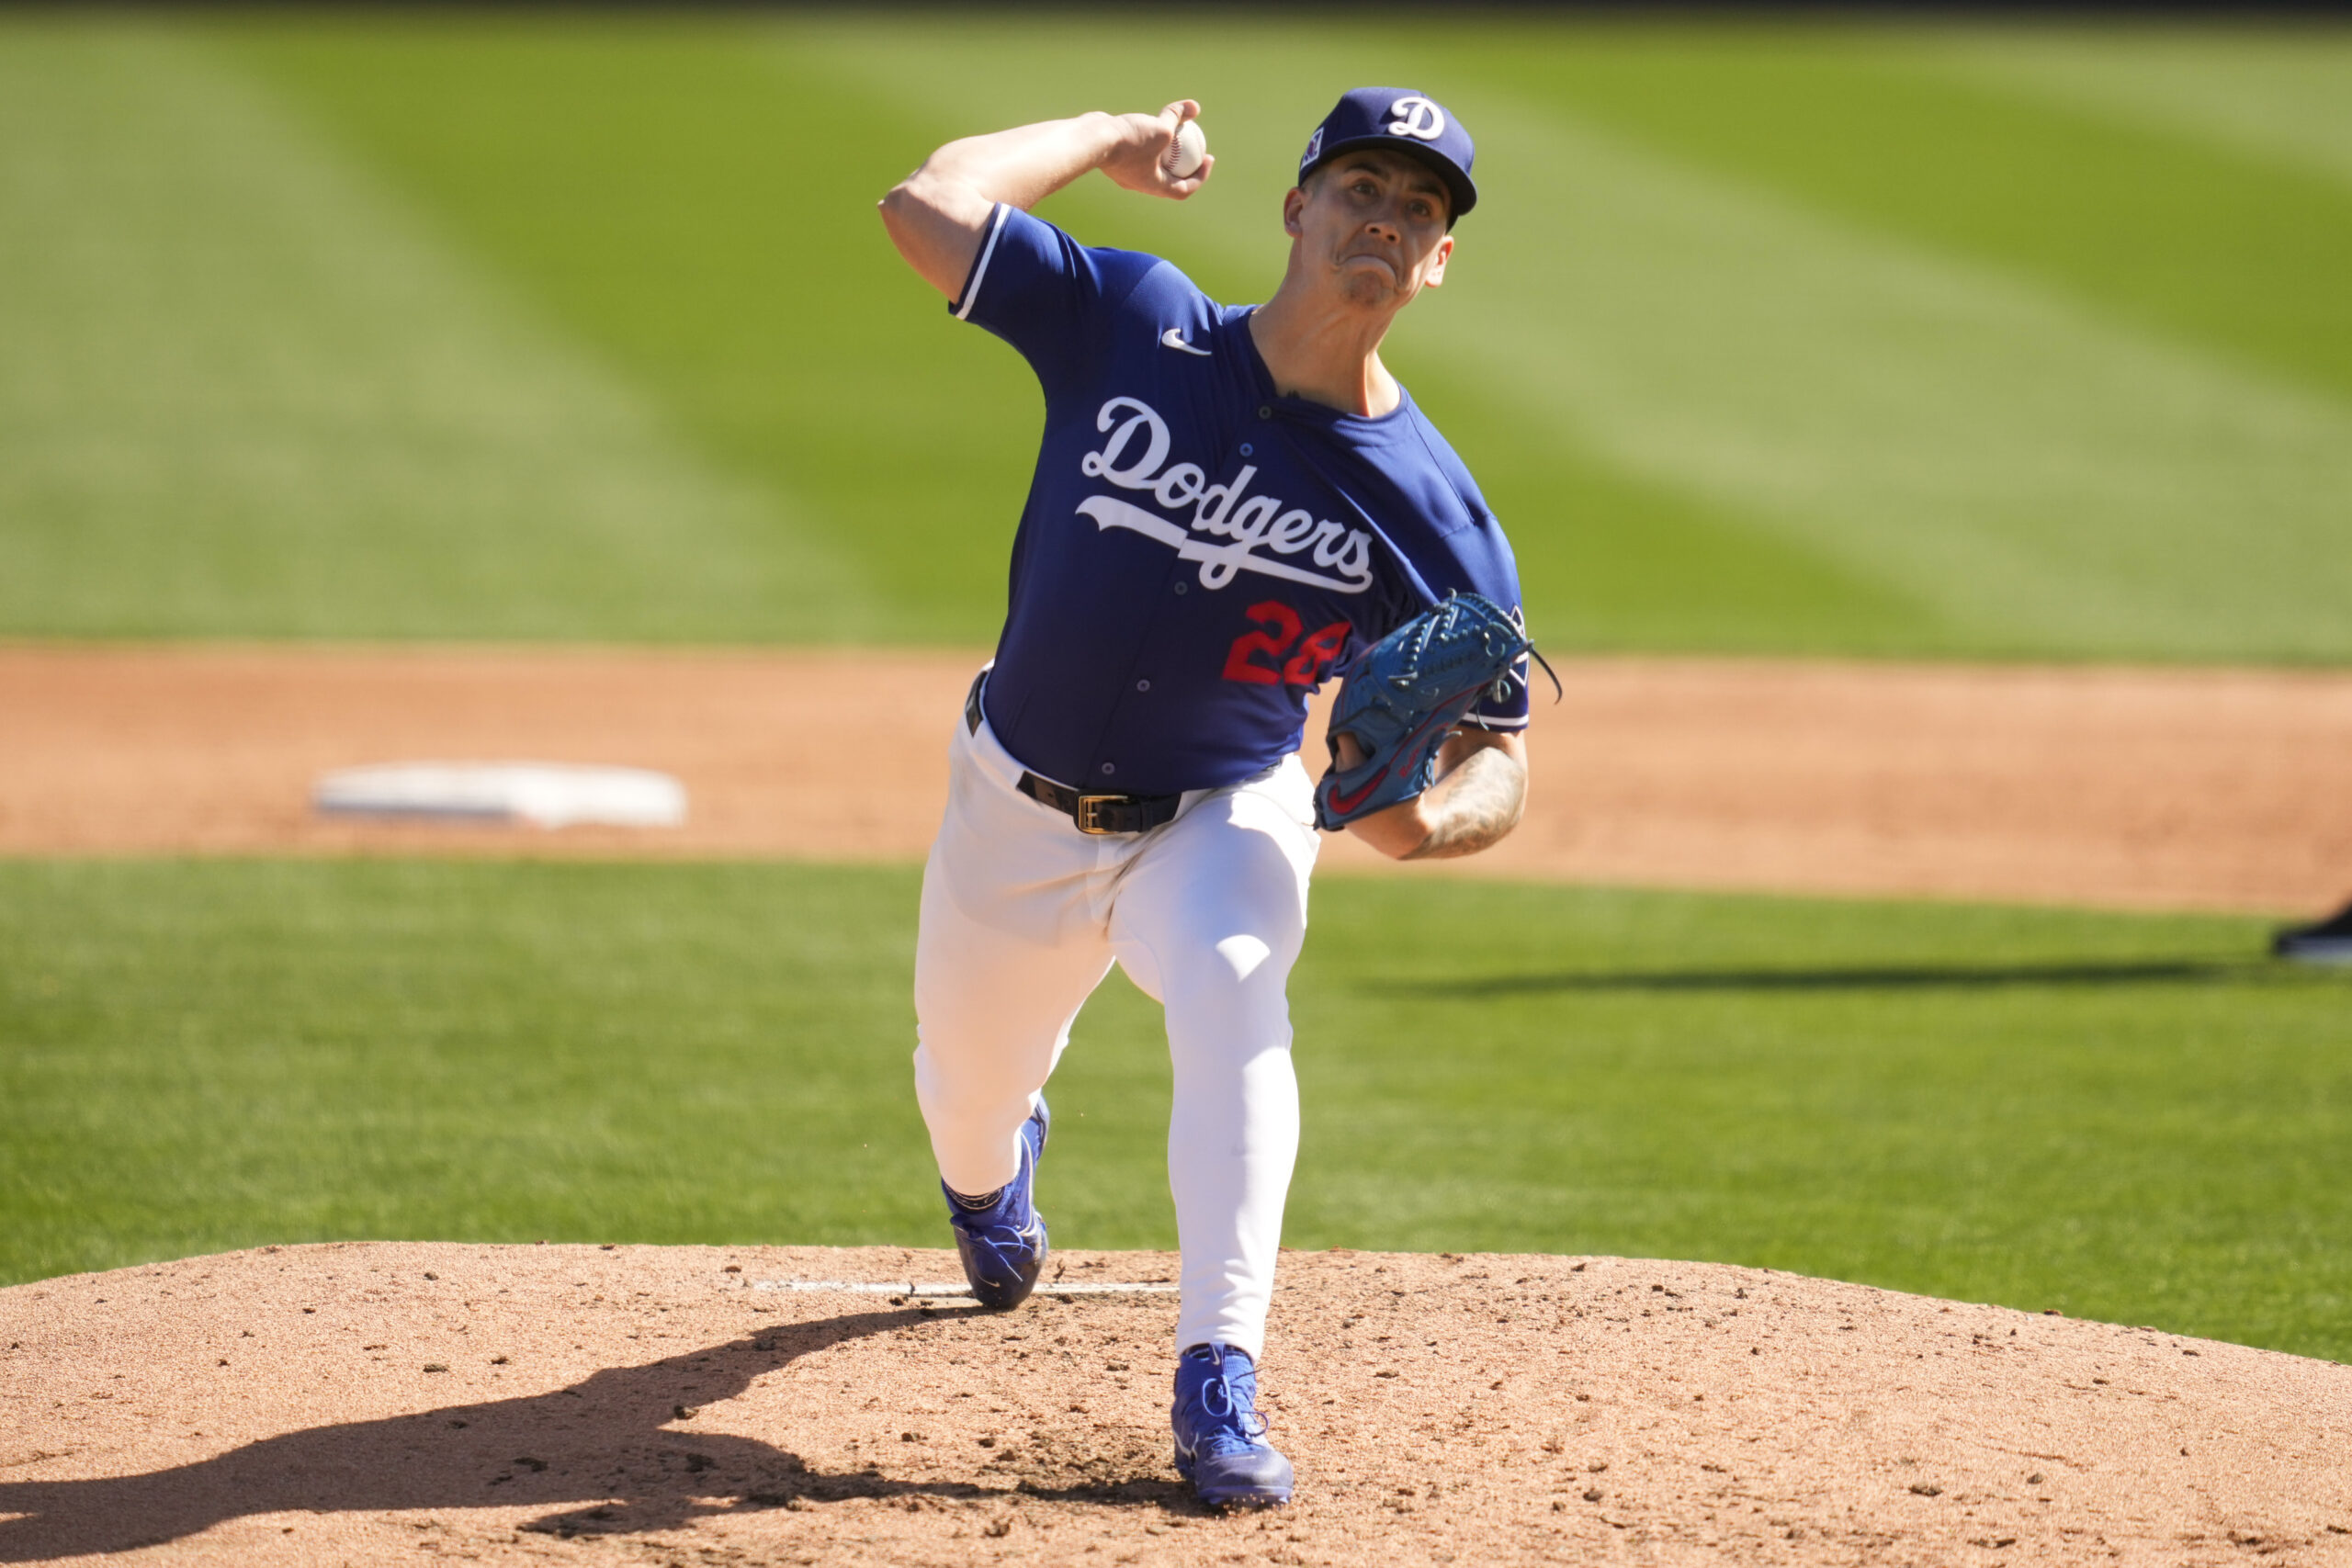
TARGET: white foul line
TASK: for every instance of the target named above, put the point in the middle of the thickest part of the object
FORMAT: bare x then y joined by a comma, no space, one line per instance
951,1292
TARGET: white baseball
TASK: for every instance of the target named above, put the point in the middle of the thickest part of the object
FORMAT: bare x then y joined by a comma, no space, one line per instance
1182,159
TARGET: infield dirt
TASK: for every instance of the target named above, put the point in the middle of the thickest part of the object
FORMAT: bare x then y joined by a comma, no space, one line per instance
367,1402
2130,788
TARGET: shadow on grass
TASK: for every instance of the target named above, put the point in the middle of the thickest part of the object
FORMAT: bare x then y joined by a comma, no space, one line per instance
1888,978
601,1456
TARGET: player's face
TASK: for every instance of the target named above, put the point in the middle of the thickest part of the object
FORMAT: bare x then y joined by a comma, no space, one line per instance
1372,226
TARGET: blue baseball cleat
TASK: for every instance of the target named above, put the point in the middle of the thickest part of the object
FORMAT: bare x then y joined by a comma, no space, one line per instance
1002,1242
1220,1437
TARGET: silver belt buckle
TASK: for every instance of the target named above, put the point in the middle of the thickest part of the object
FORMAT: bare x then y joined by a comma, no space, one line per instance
1087,816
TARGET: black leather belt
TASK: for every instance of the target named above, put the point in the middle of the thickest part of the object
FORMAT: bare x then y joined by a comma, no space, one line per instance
1096,814
1102,813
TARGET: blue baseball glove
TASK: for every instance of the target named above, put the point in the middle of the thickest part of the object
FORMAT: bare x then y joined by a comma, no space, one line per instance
1403,695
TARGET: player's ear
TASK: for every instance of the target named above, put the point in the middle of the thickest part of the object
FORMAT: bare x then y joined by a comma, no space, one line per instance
1437,265
1294,203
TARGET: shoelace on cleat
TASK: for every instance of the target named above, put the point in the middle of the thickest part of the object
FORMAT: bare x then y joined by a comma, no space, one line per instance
1006,1241
1003,1236
1247,1425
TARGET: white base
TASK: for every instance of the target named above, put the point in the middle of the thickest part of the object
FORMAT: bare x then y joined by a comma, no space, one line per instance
545,795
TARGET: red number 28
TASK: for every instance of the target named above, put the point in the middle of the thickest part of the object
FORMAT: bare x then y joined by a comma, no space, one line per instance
1279,627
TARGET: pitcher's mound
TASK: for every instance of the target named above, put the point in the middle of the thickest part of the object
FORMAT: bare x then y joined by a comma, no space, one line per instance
365,1403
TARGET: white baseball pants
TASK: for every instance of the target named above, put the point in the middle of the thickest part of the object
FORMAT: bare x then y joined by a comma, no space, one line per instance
1023,916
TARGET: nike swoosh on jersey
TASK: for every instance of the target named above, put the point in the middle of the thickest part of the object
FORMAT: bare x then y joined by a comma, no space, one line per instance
1174,338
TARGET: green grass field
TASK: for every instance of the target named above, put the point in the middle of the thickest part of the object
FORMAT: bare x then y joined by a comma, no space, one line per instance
1886,341
2123,1117
1941,342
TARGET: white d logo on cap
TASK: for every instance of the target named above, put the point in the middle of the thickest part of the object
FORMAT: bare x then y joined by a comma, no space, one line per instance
1417,117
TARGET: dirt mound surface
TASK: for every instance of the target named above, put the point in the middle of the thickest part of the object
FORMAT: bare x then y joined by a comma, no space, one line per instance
365,1401
2151,788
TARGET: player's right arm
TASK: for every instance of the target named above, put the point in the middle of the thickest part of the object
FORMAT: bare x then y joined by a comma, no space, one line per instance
938,215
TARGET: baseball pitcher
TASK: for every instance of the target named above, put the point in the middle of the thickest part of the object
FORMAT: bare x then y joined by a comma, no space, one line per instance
1231,503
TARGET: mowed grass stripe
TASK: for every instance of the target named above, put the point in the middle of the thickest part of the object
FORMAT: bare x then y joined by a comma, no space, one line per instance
2281,92
250,391
2129,1118
2169,228
706,221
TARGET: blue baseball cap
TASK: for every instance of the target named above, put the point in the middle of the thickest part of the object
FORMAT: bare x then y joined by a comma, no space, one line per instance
1401,121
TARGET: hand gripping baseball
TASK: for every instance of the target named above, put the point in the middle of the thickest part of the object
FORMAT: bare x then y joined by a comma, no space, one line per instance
1404,694
1149,152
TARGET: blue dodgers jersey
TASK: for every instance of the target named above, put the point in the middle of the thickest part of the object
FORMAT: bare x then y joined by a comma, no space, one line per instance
1196,552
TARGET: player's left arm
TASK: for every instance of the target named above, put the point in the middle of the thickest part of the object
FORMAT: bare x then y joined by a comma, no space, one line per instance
1480,793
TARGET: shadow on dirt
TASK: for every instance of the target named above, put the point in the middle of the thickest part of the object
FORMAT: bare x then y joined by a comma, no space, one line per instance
601,1454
